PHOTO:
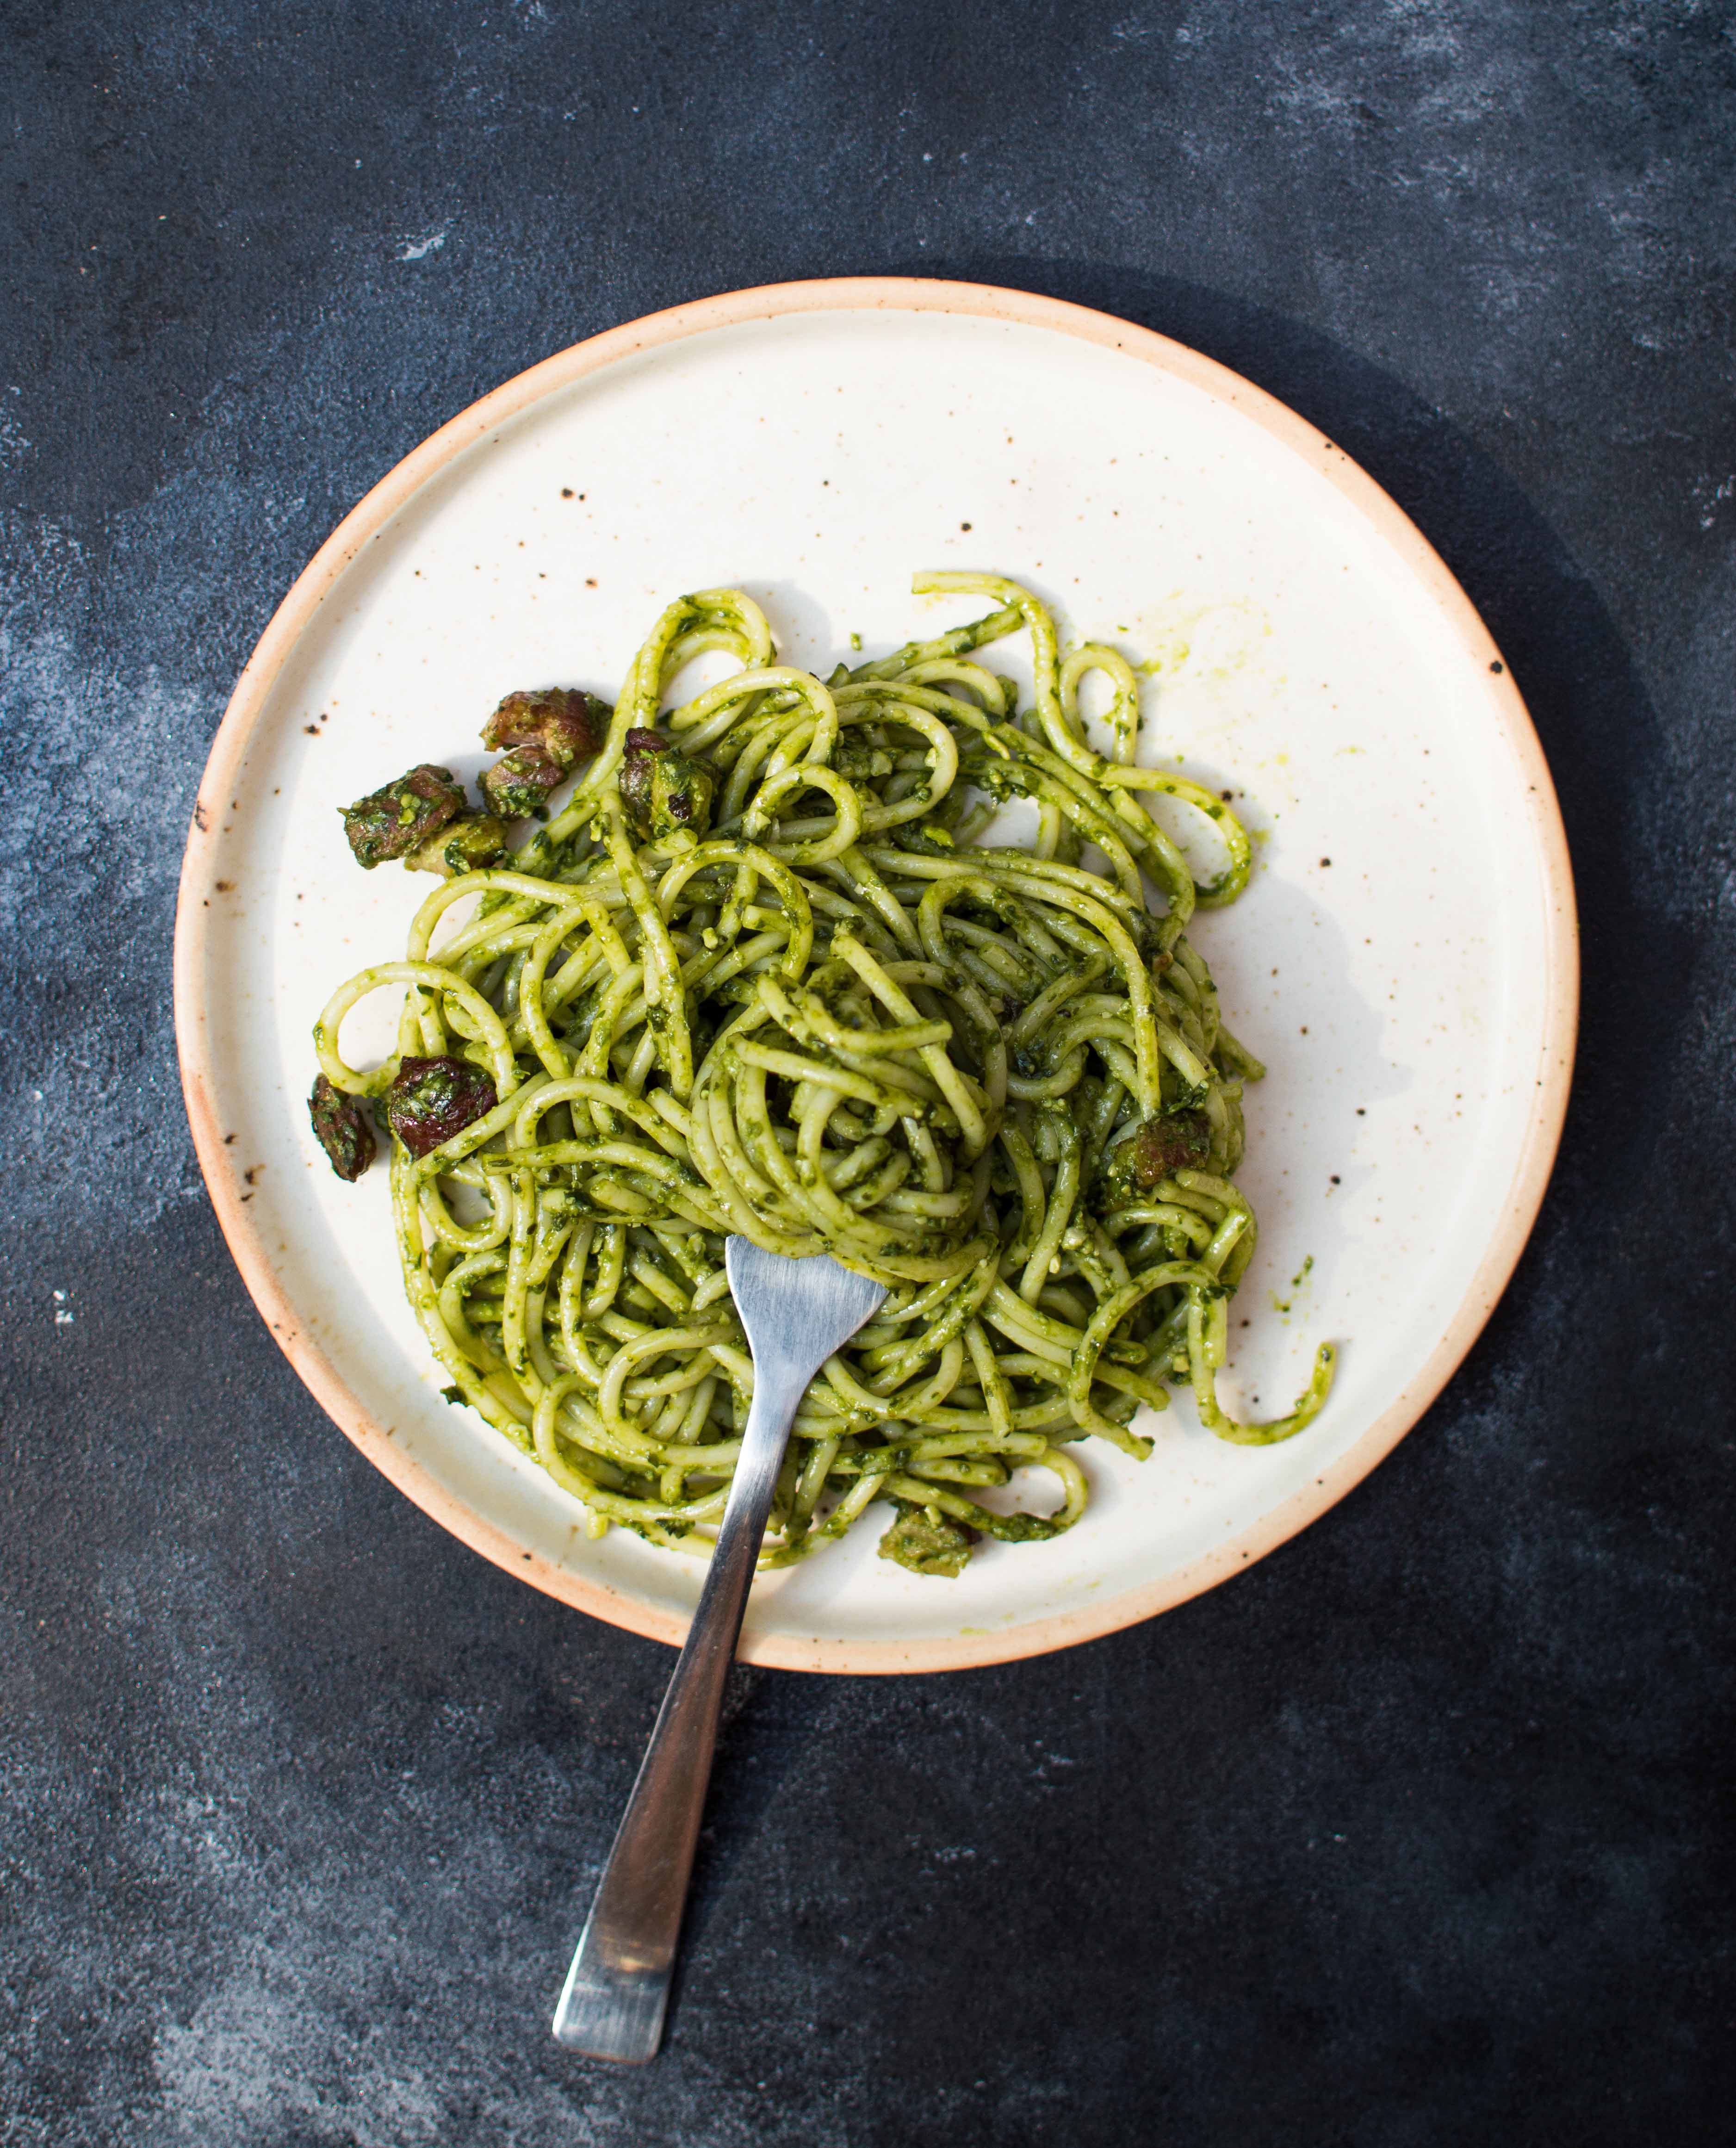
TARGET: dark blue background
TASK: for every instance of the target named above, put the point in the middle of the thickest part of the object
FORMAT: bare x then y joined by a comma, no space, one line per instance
1414,1834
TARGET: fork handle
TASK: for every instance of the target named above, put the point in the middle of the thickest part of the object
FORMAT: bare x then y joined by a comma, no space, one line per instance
612,2002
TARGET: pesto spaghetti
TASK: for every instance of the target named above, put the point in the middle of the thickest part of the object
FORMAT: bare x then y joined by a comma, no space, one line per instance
759,975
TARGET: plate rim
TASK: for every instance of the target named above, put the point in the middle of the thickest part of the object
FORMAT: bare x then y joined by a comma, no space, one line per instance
363,525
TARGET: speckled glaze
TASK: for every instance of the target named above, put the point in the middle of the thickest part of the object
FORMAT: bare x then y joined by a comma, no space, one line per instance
1404,961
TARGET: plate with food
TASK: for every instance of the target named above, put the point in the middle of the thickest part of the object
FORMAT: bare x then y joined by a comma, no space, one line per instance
911,771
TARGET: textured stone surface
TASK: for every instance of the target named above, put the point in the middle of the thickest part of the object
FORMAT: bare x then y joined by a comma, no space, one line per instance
1411,1835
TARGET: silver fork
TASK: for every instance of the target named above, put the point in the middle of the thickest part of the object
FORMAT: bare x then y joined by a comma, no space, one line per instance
612,2005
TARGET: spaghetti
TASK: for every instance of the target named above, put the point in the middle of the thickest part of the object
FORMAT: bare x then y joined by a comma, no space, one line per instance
759,975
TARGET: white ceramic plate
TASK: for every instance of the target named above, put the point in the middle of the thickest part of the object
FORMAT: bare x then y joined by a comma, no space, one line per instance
815,443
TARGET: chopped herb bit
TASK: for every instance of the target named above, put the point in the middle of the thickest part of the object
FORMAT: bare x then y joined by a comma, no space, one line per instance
1019,1528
